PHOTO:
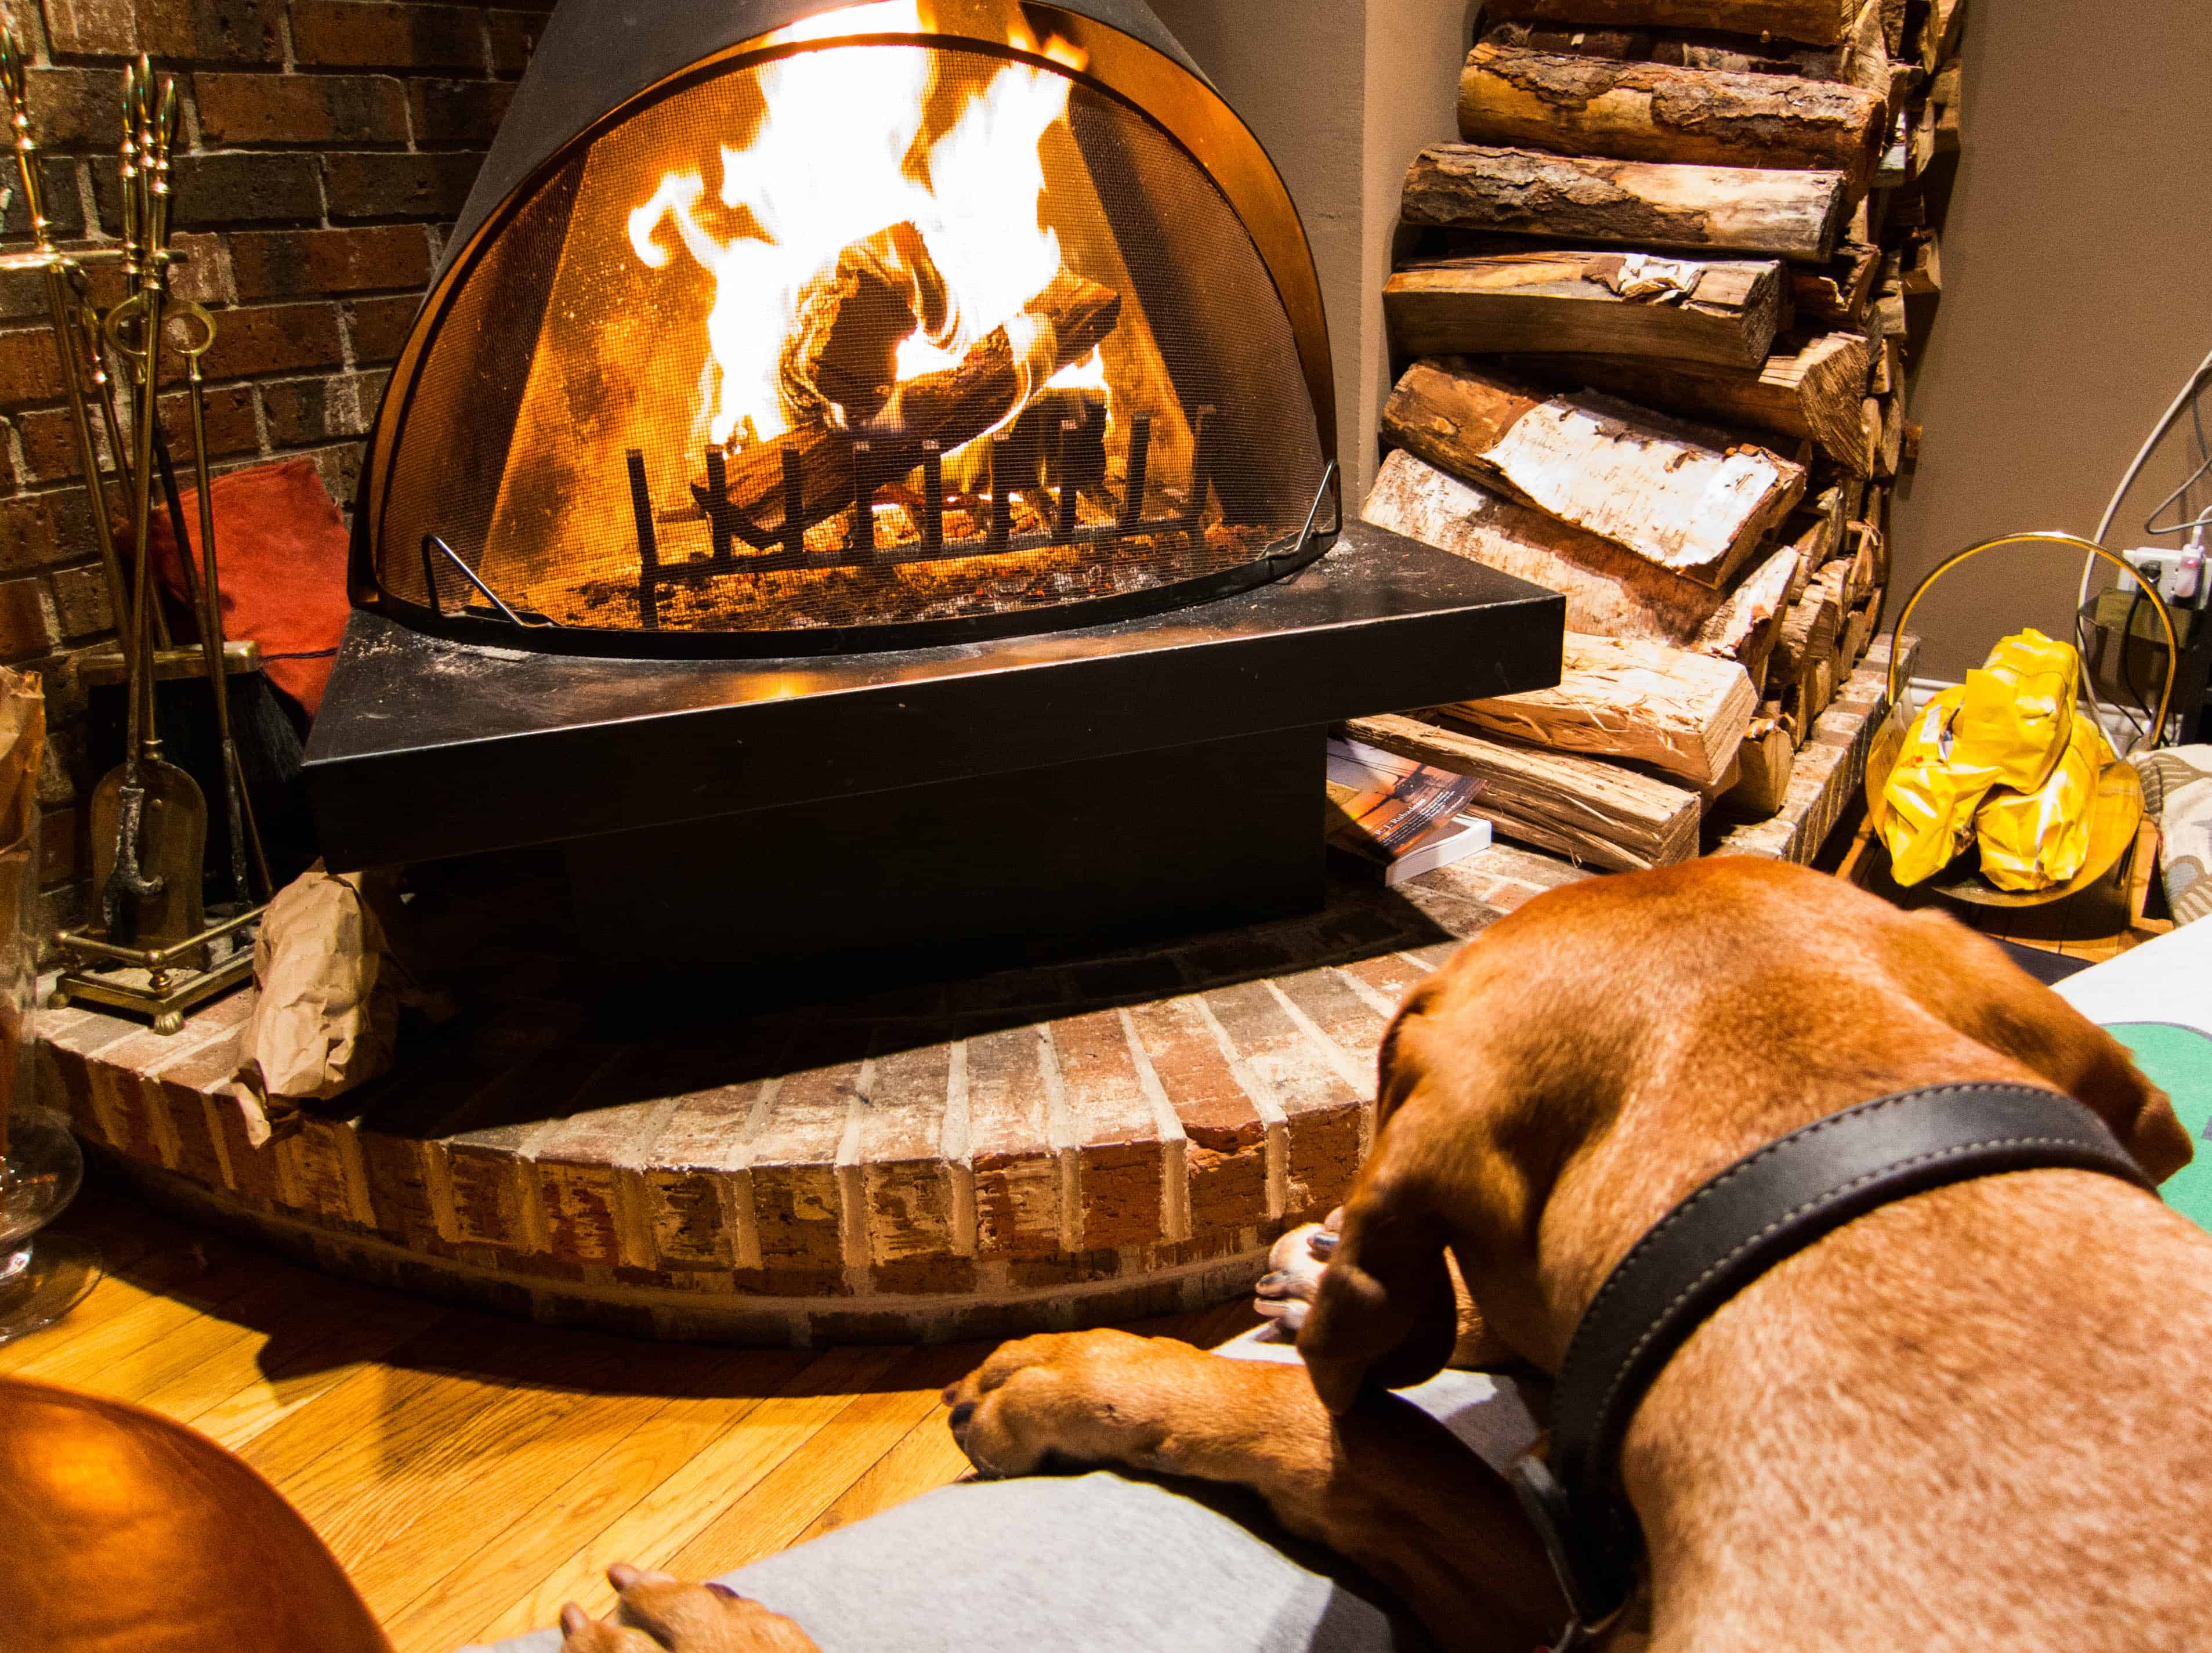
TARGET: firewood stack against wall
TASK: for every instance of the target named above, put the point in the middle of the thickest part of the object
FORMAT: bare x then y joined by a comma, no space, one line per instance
1656,313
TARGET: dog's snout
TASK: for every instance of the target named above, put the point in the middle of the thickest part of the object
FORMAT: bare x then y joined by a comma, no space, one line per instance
961,1414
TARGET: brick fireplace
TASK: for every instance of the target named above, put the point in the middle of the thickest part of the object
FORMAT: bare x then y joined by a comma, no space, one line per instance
330,145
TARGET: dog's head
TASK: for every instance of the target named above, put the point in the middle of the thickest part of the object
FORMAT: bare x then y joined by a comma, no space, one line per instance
1587,1062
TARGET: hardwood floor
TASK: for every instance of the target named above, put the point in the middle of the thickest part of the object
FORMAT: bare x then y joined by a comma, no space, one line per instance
472,1473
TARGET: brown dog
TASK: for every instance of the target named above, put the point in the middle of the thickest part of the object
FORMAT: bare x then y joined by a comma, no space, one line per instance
1971,1419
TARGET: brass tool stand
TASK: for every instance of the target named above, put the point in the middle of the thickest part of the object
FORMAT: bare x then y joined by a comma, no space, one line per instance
158,976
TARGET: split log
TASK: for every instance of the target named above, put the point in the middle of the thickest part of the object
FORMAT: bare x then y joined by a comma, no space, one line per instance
1808,553
1737,54
1889,430
1594,812
1063,325
1656,112
1764,765
1817,22
1859,632
1791,214
1808,631
1893,25
1610,303
1940,34
1676,495
1838,294
1745,628
1817,390
1681,713
1869,51
1945,89
1609,591
1821,687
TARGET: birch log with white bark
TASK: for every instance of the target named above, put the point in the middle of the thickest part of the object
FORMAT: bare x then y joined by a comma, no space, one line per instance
1610,303
1682,712
1816,22
1608,590
1745,628
1680,497
1656,112
1789,215
1591,811
1817,390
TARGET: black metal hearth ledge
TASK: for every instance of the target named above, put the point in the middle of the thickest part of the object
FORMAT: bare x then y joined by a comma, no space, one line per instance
999,797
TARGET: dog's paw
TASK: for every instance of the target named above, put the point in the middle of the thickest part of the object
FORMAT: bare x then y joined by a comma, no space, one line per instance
657,1614
1068,1397
1295,1264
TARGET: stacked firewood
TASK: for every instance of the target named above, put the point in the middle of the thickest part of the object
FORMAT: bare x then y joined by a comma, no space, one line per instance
1659,308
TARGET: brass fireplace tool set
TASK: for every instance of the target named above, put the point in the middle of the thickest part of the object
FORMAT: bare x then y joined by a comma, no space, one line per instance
152,948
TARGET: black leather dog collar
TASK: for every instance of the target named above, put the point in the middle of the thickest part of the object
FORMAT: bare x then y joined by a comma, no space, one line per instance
1762,1209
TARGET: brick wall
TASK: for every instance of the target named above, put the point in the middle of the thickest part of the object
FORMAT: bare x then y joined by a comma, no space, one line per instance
326,148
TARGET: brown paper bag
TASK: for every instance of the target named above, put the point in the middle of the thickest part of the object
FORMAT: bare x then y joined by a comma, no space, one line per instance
331,986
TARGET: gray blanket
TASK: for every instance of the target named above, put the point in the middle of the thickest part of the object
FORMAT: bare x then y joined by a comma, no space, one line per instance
1098,1563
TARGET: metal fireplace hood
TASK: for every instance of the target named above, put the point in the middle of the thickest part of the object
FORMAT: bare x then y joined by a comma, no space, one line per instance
1191,456
812,801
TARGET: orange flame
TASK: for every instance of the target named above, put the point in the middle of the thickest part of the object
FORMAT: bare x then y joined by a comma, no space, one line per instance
833,164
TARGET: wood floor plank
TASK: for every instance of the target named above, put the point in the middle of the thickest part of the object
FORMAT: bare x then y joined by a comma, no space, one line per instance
96,1344
256,1382
462,1450
773,1514
526,1557
472,1473
660,1524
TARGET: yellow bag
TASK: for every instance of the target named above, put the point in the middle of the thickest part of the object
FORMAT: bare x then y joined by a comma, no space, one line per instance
2019,709
1929,800
2037,839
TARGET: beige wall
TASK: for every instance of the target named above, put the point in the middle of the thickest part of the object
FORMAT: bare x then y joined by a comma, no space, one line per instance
2077,270
1343,94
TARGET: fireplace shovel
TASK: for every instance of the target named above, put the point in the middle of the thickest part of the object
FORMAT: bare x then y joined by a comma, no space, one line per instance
149,817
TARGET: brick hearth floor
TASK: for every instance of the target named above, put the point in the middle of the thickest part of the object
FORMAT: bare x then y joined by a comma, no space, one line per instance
1071,1145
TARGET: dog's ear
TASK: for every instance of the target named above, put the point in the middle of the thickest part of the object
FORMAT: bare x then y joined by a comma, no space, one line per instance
1967,979
1386,1314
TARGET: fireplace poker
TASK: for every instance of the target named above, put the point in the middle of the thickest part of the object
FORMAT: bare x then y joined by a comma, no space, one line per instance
56,269
148,787
244,833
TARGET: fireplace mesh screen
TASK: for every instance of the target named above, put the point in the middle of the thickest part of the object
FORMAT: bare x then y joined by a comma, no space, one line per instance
871,335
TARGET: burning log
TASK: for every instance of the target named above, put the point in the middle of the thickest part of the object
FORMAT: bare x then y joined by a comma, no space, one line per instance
840,361
1656,112
996,380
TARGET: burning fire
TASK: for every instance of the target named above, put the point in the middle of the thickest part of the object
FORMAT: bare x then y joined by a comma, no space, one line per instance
840,192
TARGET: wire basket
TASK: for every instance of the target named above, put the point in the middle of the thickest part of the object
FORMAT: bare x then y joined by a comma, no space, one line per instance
2117,811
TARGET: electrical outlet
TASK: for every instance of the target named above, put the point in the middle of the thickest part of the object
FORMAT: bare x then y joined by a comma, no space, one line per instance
2177,572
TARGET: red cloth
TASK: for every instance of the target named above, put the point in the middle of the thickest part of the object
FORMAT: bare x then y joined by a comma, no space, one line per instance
281,559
